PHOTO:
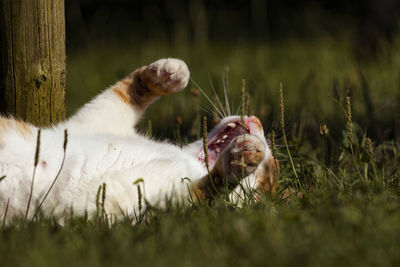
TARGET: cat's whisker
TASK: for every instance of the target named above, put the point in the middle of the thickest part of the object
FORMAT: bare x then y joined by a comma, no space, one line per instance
293,145
208,98
237,110
216,96
225,86
208,111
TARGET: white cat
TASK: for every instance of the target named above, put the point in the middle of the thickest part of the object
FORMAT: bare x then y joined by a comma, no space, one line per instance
103,147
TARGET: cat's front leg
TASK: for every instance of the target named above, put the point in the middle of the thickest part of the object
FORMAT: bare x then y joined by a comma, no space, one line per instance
240,159
119,108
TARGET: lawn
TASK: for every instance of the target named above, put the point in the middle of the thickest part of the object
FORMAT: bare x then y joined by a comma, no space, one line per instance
343,208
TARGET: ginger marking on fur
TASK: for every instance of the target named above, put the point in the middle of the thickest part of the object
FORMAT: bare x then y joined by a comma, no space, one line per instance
267,177
23,128
122,94
139,91
135,90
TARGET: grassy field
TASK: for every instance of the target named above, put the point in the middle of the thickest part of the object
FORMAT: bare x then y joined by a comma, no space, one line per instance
344,209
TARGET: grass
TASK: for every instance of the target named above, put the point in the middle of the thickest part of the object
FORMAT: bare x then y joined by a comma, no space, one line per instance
343,206
315,74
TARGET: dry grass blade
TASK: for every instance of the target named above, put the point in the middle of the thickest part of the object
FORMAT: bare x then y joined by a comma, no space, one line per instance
282,123
349,123
37,152
58,173
5,212
140,196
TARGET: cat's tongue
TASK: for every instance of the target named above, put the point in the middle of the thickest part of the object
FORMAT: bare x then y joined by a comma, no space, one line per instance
225,133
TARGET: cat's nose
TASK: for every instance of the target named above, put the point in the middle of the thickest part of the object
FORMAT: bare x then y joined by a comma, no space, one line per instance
254,123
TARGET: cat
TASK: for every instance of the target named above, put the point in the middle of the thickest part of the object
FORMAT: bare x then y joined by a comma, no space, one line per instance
103,147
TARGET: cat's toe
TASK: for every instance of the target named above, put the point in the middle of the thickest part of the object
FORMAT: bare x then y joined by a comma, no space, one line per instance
240,159
246,151
167,76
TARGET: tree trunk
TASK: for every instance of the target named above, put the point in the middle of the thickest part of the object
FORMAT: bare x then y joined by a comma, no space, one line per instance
32,69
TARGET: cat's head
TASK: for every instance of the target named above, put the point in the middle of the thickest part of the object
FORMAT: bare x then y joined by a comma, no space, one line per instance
226,130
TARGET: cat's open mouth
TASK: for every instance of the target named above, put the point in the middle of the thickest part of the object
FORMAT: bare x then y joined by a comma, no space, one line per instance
225,132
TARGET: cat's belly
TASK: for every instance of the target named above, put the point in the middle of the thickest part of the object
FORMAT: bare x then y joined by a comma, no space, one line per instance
90,162
159,170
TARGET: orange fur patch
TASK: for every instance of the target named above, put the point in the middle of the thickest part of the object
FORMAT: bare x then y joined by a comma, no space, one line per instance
122,94
3,126
22,128
198,194
127,82
3,123
268,176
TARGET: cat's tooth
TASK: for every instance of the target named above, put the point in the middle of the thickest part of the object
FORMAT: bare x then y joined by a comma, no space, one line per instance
218,141
231,124
224,137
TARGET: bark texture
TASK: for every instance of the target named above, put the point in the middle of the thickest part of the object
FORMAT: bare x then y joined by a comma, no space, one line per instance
32,69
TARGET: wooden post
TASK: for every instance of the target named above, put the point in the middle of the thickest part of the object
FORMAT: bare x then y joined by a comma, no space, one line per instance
32,66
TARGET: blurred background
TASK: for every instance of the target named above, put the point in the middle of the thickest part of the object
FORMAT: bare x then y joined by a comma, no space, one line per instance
321,51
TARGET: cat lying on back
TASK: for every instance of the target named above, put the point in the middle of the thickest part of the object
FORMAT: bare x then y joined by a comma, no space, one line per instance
103,147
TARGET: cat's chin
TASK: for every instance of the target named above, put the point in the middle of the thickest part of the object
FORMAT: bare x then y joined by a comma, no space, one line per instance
223,134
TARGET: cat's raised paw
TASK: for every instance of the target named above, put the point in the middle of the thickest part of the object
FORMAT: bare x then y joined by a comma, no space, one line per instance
166,76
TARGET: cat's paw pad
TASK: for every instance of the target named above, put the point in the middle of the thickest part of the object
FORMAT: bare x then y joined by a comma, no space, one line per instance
242,158
247,151
167,76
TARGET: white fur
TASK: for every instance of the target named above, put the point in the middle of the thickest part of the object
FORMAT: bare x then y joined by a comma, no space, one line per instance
103,147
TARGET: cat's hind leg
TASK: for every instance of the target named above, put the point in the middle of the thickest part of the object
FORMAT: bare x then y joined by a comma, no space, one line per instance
119,108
